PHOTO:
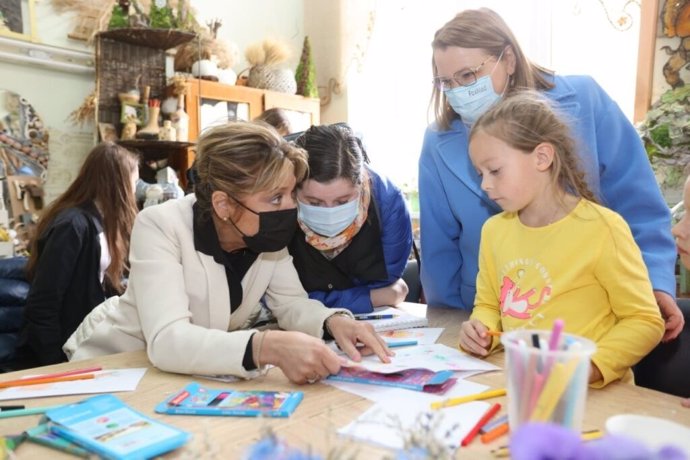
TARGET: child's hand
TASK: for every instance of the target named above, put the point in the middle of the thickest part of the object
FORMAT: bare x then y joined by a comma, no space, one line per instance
594,373
473,337
685,402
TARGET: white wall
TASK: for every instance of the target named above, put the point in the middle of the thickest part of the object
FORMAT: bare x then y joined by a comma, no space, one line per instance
389,97
249,22
55,94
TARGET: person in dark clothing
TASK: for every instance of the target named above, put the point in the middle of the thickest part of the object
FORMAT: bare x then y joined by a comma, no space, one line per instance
354,235
79,254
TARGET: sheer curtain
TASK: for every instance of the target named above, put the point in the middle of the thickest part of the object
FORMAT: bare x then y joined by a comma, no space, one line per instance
388,95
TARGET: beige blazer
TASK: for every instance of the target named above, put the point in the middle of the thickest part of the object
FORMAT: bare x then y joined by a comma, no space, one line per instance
177,302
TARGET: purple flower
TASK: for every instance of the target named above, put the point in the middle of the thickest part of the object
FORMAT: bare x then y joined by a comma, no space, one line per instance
544,441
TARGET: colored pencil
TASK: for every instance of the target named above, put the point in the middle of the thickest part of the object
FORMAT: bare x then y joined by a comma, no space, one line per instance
504,451
401,343
86,370
493,410
27,382
370,317
497,432
494,333
30,411
463,399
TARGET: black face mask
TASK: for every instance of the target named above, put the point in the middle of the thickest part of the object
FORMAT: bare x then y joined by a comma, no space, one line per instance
275,229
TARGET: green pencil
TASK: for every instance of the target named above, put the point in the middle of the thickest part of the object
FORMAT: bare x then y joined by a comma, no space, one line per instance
29,411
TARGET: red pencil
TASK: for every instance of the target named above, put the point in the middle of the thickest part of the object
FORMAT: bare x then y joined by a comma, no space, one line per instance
493,410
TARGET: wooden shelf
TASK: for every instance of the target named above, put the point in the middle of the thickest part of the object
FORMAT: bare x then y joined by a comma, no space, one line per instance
161,39
153,144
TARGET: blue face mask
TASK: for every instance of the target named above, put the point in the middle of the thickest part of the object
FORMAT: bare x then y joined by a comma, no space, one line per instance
470,102
328,221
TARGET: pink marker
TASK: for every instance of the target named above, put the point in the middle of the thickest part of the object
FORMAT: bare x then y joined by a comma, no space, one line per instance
556,334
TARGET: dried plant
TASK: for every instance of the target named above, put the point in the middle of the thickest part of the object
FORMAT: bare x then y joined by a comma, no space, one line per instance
86,112
270,52
179,84
205,47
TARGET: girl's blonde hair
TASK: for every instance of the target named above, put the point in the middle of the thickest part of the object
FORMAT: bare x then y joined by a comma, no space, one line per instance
483,28
243,158
526,119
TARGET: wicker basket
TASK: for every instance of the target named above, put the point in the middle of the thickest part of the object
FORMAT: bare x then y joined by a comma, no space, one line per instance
272,78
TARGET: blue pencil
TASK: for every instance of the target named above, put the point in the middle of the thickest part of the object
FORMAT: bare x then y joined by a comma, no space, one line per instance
401,343
369,317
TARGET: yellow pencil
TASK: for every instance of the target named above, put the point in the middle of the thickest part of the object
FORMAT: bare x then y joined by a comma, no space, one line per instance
463,399
504,451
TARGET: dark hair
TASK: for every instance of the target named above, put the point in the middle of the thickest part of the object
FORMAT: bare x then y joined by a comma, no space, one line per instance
483,28
526,119
242,158
276,118
334,152
105,179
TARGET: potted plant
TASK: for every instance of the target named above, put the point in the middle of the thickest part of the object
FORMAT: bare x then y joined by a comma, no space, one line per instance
665,132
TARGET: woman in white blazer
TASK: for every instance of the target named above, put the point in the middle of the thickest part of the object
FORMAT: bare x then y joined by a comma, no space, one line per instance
204,268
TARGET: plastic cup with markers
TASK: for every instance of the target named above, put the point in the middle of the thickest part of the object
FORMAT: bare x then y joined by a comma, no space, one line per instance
547,376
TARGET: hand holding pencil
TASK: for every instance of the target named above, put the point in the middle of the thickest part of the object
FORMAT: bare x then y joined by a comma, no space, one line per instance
475,338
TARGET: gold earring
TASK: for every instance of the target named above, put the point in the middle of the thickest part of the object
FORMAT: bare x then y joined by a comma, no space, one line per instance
225,219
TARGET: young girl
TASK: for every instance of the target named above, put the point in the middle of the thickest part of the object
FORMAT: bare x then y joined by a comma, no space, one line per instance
79,254
553,252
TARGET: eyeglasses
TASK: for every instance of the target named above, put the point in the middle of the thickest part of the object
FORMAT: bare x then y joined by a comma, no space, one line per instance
464,77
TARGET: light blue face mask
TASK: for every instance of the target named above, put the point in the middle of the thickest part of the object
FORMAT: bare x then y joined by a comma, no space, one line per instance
470,102
328,221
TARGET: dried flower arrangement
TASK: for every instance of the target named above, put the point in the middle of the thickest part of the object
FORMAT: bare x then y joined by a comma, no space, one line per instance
207,46
86,112
267,70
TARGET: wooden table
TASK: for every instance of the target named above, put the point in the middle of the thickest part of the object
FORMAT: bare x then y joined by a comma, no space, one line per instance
323,410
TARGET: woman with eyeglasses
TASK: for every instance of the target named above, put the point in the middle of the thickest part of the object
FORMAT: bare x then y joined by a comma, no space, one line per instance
354,234
477,61
207,268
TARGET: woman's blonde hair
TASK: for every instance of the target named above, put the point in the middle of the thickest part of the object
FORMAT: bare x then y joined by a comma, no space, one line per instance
243,158
526,119
483,28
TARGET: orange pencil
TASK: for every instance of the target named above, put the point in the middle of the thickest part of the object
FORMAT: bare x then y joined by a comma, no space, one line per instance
499,431
86,370
494,333
26,382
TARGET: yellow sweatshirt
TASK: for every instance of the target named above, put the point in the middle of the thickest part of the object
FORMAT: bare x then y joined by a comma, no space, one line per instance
585,269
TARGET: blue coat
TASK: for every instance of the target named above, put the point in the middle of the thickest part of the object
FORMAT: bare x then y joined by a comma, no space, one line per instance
395,241
454,208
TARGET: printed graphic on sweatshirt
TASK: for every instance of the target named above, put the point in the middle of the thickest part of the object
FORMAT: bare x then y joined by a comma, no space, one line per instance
525,286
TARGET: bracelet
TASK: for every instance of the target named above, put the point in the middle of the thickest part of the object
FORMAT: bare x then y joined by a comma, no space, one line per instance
257,358
328,329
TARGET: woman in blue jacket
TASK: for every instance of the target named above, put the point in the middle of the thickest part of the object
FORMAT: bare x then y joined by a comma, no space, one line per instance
354,234
477,60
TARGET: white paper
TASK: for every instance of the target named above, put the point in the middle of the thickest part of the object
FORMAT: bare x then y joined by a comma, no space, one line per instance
386,424
435,357
105,381
423,335
381,393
